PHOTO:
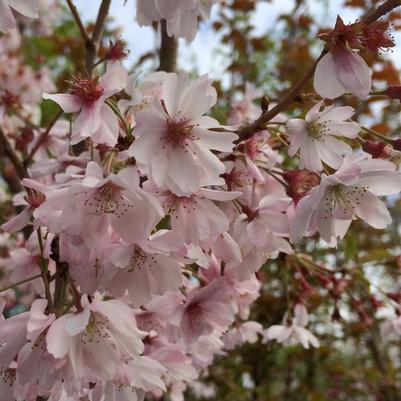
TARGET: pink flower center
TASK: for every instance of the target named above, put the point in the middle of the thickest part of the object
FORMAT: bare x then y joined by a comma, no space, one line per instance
35,198
196,316
86,91
179,134
252,147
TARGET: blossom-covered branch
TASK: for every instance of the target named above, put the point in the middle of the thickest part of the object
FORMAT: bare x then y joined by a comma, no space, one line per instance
286,100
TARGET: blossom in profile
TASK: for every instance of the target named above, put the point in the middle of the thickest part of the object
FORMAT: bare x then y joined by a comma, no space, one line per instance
87,96
28,8
316,136
342,69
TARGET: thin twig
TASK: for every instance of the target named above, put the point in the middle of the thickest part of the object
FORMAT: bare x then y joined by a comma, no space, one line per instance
79,23
43,263
97,34
26,280
287,99
12,155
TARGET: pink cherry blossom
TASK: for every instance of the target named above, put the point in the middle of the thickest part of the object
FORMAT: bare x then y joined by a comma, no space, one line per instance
174,139
181,15
293,333
185,21
205,310
195,218
96,119
242,333
94,340
315,137
144,271
340,71
352,191
90,205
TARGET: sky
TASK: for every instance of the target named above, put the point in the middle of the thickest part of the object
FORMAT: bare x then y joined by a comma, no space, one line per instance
202,51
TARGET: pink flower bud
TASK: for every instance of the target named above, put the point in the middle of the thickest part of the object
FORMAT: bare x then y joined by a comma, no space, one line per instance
300,182
379,150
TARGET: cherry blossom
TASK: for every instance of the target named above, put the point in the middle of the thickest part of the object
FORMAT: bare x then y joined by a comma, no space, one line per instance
95,339
342,69
139,254
181,15
293,333
315,137
352,191
96,119
88,206
174,140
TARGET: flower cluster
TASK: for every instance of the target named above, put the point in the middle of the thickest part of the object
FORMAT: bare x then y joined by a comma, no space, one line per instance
148,221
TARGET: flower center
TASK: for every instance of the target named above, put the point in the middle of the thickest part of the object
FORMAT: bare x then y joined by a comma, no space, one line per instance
140,260
109,199
341,201
196,316
86,91
317,130
179,134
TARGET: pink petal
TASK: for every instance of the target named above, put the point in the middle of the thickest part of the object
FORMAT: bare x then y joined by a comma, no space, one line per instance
67,102
326,81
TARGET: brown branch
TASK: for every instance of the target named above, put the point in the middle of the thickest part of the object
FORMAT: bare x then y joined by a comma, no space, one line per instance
26,280
79,23
168,50
248,131
91,43
12,155
380,11
42,139
97,34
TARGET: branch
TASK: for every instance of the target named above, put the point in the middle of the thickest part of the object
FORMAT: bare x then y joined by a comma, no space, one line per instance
42,139
168,50
380,11
97,34
79,22
248,131
26,280
12,155
91,43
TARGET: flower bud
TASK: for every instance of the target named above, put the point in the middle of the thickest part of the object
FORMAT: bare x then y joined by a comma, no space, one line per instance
378,150
300,182
393,92
116,51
